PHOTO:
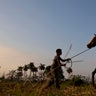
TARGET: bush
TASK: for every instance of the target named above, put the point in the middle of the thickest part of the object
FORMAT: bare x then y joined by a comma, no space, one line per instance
78,80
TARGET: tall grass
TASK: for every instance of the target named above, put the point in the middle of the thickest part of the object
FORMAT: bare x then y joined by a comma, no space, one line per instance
68,88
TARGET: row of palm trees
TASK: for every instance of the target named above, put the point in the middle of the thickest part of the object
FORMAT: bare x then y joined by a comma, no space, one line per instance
28,71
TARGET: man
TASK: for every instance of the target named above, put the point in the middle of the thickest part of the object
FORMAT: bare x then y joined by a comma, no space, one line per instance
55,73
56,66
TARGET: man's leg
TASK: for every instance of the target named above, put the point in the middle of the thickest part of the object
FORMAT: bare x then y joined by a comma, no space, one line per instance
57,83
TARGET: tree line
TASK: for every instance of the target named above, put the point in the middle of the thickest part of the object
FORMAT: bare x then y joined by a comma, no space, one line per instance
28,72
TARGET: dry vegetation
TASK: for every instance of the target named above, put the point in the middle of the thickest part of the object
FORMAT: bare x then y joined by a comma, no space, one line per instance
10,88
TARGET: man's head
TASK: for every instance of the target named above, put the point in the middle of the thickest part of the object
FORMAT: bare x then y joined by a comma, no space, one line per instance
59,51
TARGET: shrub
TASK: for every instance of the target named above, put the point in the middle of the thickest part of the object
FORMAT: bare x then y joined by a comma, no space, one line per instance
78,80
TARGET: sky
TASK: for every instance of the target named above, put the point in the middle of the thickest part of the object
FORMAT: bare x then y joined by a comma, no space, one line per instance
31,31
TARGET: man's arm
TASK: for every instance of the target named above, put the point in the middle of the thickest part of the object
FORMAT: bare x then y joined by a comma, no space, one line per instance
63,60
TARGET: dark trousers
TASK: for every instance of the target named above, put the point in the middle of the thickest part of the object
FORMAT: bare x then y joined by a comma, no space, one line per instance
57,79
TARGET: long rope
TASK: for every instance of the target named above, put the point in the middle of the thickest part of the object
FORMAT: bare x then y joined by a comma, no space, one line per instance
79,53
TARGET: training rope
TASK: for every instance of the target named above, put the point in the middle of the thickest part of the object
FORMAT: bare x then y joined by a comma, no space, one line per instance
80,53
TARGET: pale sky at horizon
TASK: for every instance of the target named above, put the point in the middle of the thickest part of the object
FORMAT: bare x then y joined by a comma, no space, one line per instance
31,31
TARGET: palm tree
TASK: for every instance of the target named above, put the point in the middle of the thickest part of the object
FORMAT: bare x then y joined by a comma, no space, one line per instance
25,68
19,72
31,67
47,69
19,68
47,72
42,68
34,70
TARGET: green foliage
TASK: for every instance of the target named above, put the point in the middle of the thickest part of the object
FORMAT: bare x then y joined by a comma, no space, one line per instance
18,92
50,94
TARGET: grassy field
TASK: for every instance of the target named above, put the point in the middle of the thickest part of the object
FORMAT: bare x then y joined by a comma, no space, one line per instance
9,88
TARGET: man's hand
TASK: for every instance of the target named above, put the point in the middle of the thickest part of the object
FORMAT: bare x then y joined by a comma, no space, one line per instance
63,64
68,59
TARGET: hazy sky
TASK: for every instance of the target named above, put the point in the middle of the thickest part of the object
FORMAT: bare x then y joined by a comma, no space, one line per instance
31,31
